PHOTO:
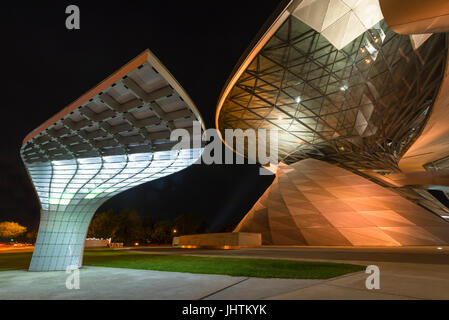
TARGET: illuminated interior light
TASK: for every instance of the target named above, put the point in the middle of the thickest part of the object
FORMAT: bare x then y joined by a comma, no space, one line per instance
138,164
53,201
367,61
114,165
89,160
120,158
280,118
59,201
380,31
140,157
131,171
61,162
298,99
97,190
371,49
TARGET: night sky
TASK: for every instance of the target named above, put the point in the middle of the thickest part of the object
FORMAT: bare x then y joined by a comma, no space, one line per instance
45,67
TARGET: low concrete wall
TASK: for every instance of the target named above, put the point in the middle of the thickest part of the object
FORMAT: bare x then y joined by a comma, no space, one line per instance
175,242
95,243
230,240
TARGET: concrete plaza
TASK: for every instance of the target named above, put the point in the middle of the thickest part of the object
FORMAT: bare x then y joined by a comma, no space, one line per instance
405,273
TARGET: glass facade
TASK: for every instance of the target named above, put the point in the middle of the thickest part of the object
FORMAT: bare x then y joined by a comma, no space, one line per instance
359,107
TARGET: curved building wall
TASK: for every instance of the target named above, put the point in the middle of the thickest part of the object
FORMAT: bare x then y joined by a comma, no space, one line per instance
416,16
338,85
312,202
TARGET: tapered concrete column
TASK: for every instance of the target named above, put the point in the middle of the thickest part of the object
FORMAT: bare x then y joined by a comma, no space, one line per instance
60,241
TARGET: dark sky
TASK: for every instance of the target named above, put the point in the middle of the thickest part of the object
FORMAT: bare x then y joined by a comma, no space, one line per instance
45,67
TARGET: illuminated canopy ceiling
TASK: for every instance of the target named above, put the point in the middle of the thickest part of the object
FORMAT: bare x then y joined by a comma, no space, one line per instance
115,137
132,111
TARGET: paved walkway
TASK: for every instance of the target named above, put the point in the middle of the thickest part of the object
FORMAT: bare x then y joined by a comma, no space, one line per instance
423,275
115,283
397,281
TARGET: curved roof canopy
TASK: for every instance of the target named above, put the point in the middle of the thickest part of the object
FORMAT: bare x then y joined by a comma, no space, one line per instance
132,111
114,137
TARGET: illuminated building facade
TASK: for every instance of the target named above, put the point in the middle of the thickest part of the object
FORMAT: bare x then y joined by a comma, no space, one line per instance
338,84
312,202
341,87
114,137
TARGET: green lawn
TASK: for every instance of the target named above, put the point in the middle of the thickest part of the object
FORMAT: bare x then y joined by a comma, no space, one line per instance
263,268
14,261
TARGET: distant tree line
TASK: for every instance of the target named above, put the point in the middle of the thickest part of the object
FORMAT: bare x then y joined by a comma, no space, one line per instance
126,226
12,231
129,227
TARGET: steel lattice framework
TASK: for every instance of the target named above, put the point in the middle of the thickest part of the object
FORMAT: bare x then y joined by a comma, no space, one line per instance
359,107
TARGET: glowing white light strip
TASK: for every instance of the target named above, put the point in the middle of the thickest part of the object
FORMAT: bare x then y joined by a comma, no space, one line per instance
63,183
